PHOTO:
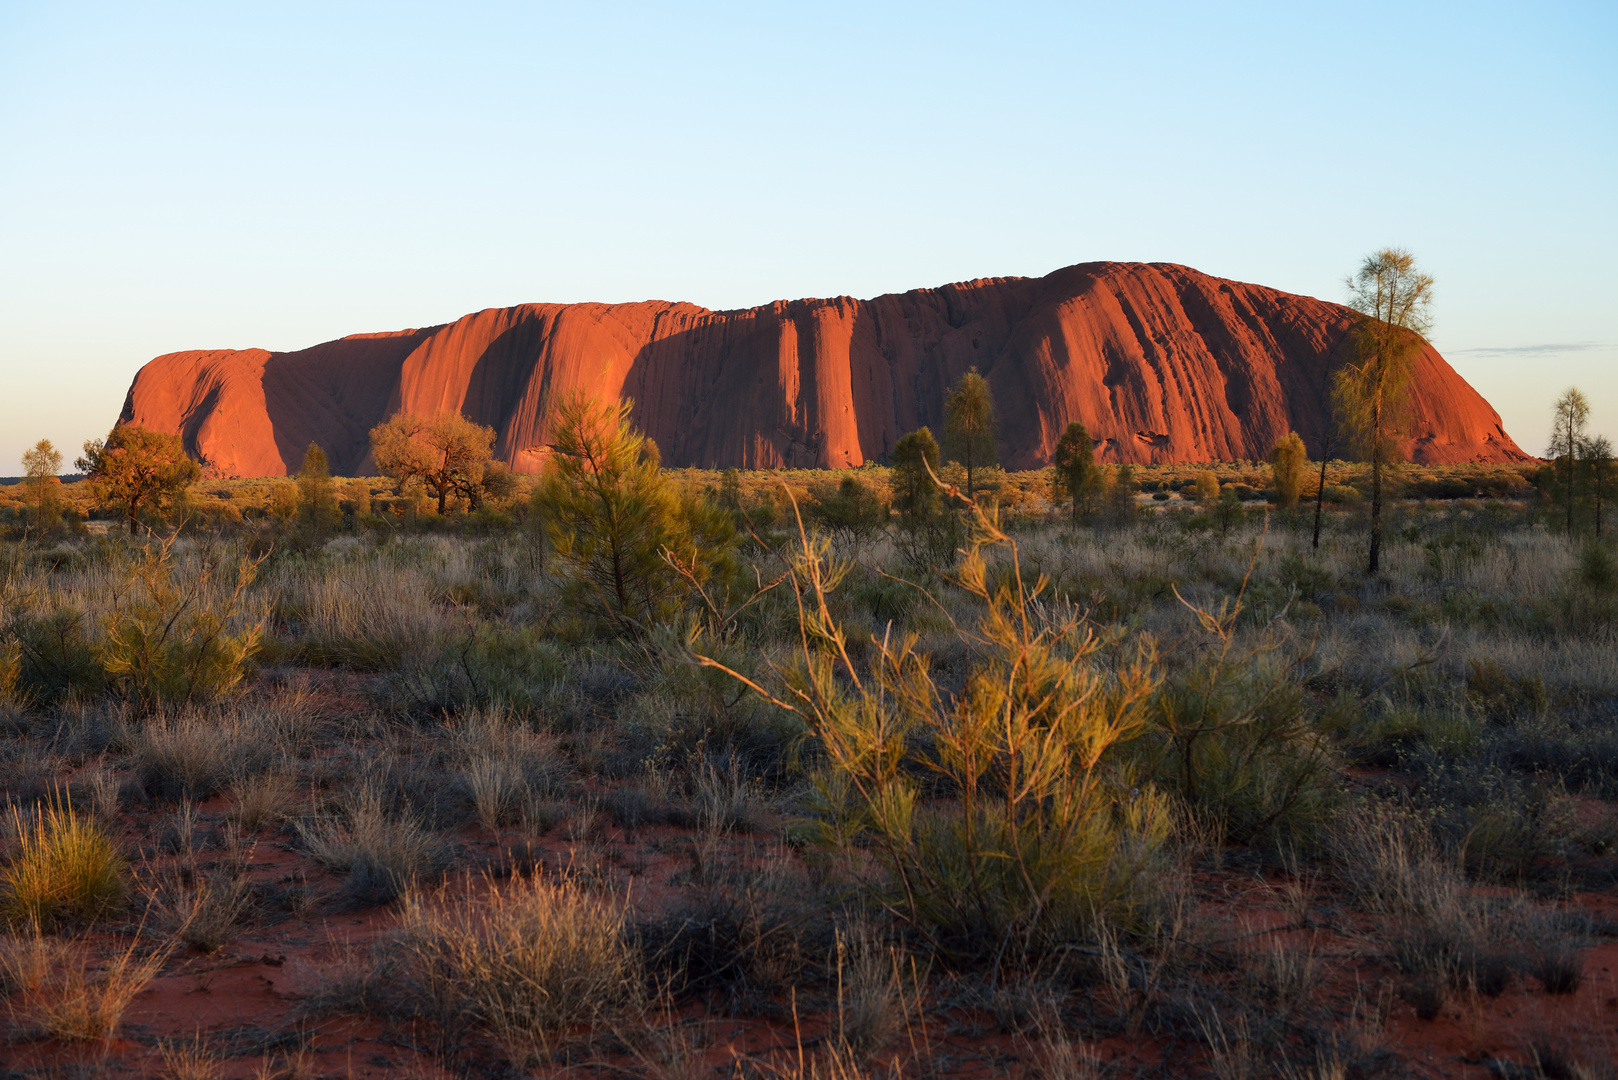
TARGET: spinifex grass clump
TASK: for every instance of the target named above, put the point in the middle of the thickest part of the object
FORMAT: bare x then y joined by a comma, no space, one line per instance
996,811
68,992
64,868
527,960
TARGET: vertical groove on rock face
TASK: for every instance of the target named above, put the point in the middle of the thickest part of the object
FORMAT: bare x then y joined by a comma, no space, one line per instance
1159,362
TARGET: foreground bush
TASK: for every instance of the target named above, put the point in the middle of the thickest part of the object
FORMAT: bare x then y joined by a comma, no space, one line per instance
527,960
175,637
481,668
70,995
64,868
996,811
1231,736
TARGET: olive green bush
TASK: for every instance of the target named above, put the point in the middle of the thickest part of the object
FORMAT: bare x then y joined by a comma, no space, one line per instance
630,546
179,635
996,811
1231,734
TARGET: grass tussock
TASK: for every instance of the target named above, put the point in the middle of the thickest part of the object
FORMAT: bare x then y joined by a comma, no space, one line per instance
526,959
383,855
63,868
61,991
189,1059
200,911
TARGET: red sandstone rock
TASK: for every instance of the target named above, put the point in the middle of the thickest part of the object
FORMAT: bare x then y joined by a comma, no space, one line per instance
1160,362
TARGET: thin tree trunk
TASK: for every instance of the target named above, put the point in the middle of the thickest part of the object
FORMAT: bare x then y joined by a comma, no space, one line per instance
1376,487
1320,493
1376,514
1570,476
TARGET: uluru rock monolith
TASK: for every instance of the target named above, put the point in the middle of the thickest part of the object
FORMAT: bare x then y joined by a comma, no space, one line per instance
1160,362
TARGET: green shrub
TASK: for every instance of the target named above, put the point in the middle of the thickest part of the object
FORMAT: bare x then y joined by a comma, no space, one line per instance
995,810
1231,734
684,710
174,637
54,656
882,598
483,667
851,511
1495,695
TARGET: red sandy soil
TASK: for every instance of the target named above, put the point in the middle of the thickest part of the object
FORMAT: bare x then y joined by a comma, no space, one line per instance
1160,362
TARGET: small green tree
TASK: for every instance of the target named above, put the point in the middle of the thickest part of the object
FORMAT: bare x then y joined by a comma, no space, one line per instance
181,634
284,500
40,465
1074,461
1227,510
445,452
1207,489
969,425
134,467
1121,494
630,545
358,496
730,490
317,491
497,482
929,533
915,490
1572,412
1289,462
1371,392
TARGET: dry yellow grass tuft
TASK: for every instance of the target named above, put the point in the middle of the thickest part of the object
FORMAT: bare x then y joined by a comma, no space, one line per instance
63,867
383,856
527,959
188,1060
63,992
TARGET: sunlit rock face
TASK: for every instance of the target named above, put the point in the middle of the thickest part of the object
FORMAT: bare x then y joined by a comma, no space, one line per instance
1161,364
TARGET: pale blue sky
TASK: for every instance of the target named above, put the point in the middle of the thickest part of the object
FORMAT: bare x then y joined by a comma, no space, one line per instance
177,176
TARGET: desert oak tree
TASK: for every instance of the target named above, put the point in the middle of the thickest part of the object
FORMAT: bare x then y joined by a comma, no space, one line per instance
1371,391
915,491
1075,462
969,425
40,465
1289,461
1572,413
317,491
624,536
